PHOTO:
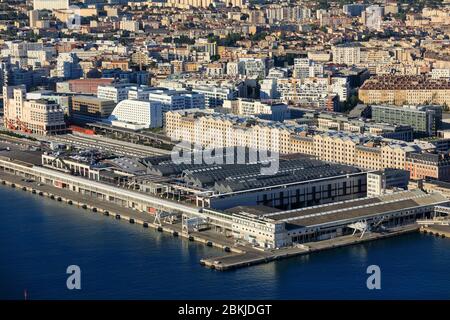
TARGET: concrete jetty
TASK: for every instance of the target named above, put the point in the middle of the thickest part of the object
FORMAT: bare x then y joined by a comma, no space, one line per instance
114,211
255,257
438,226
236,255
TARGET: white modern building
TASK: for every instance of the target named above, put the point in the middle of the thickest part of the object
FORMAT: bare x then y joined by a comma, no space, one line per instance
129,25
305,68
254,67
137,114
268,89
347,53
68,66
312,90
176,100
140,92
440,73
287,12
215,95
277,73
235,68
373,16
50,4
24,53
379,182
116,92
248,107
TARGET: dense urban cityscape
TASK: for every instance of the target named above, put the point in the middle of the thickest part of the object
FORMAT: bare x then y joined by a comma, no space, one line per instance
267,129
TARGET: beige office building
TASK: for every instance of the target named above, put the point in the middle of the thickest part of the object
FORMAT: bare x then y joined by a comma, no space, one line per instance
32,116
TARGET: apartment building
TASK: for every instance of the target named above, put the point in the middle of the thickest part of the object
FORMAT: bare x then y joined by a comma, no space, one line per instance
347,53
315,91
401,90
129,25
247,107
115,92
50,4
292,13
68,66
268,89
254,67
353,10
428,166
177,99
215,95
307,68
190,3
437,73
215,130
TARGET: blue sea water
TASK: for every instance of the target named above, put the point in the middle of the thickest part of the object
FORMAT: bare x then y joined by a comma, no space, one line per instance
40,238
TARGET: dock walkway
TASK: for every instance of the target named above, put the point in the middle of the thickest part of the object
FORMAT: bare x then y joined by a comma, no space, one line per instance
234,256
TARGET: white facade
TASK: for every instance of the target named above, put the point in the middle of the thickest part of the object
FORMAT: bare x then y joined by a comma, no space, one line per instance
214,96
235,68
139,92
277,73
375,184
254,67
269,89
135,112
68,66
349,54
132,26
312,90
245,107
50,4
292,13
440,73
214,70
374,16
116,93
23,53
305,68
176,100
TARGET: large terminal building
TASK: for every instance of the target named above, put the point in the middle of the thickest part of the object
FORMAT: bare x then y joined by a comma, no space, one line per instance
297,181
281,228
305,200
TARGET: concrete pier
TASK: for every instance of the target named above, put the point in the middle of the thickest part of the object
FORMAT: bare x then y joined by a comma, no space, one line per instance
114,211
255,257
235,255
437,230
